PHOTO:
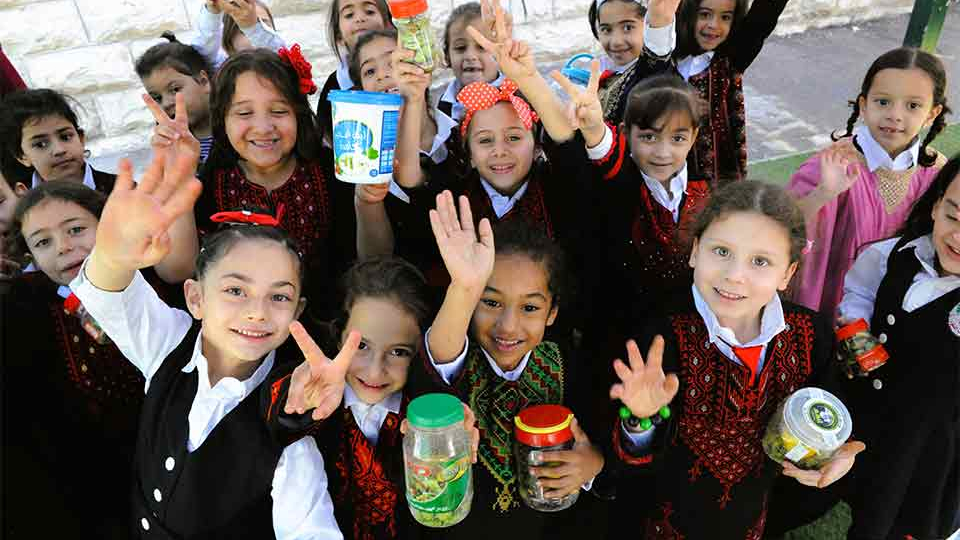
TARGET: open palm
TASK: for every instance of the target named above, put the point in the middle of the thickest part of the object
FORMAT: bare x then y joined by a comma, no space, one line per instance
515,57
467,253
643,386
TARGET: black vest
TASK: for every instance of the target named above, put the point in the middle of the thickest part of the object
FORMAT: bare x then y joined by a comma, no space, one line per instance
221,489
908,414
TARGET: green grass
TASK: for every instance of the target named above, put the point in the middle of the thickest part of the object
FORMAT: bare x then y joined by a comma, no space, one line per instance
778,170
832,526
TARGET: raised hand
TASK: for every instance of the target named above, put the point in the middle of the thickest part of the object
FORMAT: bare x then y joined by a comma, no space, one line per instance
643,387
831,471
838,172
243,12
586,112
318,382
573,468
213,6
488,17
515,57
661,12
171,136
467,253
411,79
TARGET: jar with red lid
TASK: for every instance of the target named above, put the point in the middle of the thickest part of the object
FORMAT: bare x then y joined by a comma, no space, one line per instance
72,306
538,429
860,352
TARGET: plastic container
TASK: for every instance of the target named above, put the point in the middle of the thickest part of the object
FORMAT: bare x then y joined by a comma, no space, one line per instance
577,75
73,307
807,428
364,135
860,352
412,19
437,464
542,428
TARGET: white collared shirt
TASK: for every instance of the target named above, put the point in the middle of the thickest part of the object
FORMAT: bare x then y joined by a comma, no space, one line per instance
771,324
503,203
450,370
146,330
877,157
87,178
207,40
343,73
370,417
694,64
862,282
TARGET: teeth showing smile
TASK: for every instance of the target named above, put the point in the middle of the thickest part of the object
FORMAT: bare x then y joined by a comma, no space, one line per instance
251,333
264,144
506,344
501,168
728,295
372,386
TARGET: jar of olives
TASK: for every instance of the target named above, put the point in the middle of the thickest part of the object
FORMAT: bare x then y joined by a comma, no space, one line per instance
412,19
859,352
538,429
807,428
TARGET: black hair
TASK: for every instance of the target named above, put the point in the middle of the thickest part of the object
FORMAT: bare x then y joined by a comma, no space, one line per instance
653,98
463,12
90,200
520,237
593,16
181,58
390,278
333,24
762,198
365,38
17,110
908,58
269,67
687,24
920,220
231,29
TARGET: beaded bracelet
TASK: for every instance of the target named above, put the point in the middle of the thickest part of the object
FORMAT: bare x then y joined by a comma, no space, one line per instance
644,424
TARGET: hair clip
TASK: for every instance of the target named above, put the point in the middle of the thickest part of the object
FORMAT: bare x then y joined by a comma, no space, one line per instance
807,248
480,96
294,57
246,217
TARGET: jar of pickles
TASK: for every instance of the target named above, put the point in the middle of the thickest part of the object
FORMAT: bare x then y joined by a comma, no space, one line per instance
437,463
72,306
412,19
538,429
808,428
859,352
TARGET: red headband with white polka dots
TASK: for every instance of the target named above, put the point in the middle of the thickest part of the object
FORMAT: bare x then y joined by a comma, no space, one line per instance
480,96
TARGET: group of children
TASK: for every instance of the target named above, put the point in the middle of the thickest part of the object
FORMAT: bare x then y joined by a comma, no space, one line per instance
604,252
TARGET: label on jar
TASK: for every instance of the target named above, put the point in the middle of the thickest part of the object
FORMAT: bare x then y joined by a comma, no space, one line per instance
799,451
823,417
437,488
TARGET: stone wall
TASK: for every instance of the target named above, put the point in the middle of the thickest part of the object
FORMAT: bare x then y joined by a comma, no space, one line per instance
86,48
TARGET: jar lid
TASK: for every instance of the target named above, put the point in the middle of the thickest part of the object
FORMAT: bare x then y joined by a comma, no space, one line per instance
403,9
71,304
852,329
543,425
818,419
873,358
365,98
435,411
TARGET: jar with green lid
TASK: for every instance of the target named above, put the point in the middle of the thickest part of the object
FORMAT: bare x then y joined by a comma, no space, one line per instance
808,428
412,19
437,461
538,429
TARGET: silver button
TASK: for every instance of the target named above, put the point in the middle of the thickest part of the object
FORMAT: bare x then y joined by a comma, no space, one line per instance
169,463
891,320
145,524
877,384
882,338
157,496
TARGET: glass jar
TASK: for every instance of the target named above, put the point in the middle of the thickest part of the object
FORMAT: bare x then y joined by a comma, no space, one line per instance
437,461
537,429
807,428
412,19
859,352
72,306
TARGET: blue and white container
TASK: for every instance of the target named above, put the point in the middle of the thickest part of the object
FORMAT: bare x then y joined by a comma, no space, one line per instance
364,135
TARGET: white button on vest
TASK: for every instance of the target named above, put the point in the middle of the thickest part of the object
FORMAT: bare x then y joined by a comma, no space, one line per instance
157,496
877,384
891,320
169,463
882,338
145,524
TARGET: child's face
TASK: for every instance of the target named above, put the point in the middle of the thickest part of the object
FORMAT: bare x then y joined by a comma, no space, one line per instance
8,204
714,20
60,235
52,146
946,228
356,17
501,148
241,42
739,263
897,106
662,152
165,83
376,69
620,28
515,310
470,63
261,124
246,306
390,340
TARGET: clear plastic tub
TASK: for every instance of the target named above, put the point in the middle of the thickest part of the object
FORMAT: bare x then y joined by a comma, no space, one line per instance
364,135
412,19
807,428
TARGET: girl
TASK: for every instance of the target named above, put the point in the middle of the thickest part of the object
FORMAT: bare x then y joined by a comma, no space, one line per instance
203,376
42,137
908,288
248,25
267,153
861,189
732,351
95,396
468,60
486,346
718,40
173,68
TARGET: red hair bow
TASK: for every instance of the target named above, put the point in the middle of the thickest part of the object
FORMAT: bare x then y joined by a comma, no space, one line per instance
480,96
304,70
247,217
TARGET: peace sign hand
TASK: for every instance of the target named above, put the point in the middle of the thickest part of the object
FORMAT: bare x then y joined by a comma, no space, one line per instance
586,112
318,382
643,387
515,57
171,136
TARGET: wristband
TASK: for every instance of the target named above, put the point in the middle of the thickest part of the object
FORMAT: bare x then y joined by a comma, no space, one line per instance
643,424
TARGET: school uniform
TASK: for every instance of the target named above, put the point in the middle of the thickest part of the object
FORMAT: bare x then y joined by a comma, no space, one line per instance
720,152
337,80
615,85
187,463
907,483
92,178
703,473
